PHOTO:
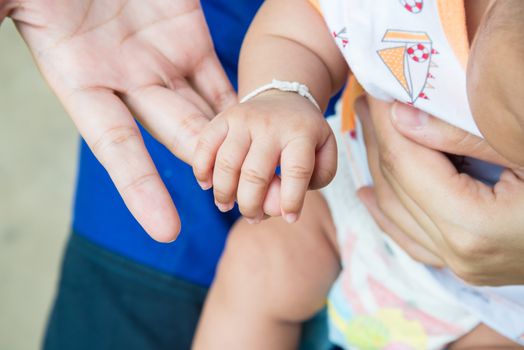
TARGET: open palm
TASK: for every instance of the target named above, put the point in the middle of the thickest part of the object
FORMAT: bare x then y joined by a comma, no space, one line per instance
110,60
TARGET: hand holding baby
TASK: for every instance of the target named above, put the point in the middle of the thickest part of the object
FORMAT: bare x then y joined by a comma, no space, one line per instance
438,215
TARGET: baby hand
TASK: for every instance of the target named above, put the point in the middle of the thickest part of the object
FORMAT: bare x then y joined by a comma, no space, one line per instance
238,152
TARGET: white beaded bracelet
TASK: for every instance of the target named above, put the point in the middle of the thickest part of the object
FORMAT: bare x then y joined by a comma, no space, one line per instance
287,86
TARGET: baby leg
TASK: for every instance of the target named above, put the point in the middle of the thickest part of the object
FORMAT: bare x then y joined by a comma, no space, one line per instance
271,278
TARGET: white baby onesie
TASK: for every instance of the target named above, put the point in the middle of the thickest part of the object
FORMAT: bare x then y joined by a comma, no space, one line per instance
405,50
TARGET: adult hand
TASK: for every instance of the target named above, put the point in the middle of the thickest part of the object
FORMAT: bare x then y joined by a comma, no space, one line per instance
474,229
110,60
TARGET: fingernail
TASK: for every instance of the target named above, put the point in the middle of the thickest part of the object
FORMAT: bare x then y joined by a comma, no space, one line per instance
253,221
171,241
224,207
205,185
291,218
408,117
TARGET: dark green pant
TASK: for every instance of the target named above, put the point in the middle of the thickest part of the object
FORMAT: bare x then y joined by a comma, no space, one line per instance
105,301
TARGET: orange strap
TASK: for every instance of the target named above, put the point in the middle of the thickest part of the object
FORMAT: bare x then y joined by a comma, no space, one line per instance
453,18
353,91
316,4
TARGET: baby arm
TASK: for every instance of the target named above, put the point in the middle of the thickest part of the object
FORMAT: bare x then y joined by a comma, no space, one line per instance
239,151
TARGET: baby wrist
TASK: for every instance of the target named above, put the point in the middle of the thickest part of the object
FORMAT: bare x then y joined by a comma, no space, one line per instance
286,86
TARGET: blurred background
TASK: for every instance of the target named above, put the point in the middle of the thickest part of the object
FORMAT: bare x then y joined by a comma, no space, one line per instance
38,146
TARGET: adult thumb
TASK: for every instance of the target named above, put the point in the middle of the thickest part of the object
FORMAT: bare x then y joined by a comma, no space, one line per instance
436,134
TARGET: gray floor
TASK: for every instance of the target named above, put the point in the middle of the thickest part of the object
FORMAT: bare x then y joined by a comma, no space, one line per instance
38,146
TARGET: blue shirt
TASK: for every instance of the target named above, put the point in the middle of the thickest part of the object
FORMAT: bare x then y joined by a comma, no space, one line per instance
101,216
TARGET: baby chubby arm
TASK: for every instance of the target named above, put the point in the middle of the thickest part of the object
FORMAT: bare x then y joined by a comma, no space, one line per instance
288,40
239,151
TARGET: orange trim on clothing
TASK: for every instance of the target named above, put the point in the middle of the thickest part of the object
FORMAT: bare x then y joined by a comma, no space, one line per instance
316,4
392,35
453,19
351,93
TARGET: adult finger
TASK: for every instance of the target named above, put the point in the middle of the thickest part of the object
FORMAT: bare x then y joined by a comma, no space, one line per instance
296,165
413,248
436,134
426,175
6,7
228,163
170,117
388,200
257,173
112,134
198,101
210,80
